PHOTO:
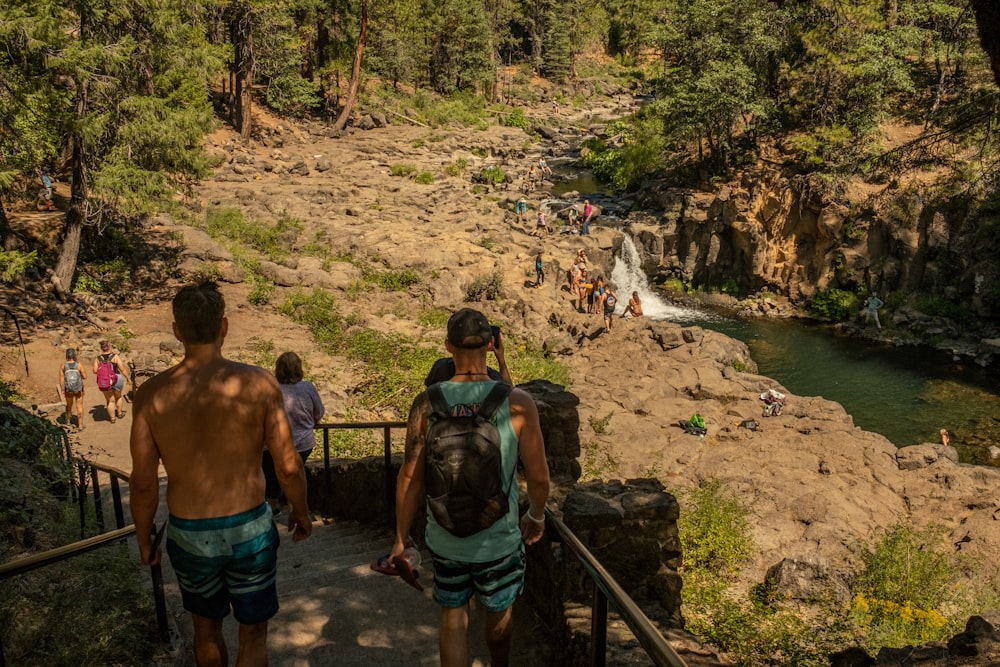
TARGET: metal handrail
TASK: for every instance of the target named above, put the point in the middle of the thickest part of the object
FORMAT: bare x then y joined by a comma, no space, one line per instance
386,449
605,588
87,469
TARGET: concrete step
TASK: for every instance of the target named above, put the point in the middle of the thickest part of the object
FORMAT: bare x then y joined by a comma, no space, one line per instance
335,610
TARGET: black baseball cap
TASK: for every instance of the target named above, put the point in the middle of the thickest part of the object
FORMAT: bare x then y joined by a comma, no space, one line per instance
469,329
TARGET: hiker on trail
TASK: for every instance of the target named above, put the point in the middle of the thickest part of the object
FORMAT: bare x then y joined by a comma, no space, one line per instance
542,226
489,563
634,307
521,208
304,408
555,106
531,179
206,419
539,269
111,379
71,377
588,211
871,309
47,186
610,301
444,368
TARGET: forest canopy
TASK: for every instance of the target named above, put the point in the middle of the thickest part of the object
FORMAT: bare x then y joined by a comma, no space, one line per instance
116,97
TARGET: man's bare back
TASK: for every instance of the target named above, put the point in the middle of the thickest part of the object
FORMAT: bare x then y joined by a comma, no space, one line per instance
207,422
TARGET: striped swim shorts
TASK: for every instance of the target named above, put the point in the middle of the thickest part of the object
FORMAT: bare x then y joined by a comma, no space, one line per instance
227,562
498,582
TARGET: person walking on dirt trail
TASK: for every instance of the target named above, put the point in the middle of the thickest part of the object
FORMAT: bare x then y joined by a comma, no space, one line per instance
206,419
108,369
488,562
71,377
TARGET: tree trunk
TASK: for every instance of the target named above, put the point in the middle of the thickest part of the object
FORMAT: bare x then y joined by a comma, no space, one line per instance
76,215
6,231
241,34
988,20
352,91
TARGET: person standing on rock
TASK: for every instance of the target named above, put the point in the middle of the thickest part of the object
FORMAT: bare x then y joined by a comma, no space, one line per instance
574,281
588,212
207,419
871,309
539,269
610,300
489,563
542,226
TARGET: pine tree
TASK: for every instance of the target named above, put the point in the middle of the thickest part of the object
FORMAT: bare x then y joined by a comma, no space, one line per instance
123,87
557,53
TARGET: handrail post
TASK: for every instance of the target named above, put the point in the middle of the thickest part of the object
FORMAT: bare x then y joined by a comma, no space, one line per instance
81,497
116,494
159,601
599,628
98,506
389,495
326,454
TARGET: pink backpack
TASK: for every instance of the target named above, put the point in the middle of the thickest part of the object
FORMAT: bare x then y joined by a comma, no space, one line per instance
106,376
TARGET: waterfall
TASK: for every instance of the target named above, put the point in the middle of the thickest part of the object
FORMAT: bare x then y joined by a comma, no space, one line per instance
627,277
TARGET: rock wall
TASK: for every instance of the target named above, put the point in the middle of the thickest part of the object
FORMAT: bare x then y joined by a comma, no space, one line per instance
795,235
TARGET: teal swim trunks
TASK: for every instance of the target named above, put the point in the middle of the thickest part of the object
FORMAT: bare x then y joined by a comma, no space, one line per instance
227,562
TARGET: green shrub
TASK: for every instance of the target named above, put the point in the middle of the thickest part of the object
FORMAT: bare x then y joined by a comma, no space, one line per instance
318,311
261,291
906,582
395,368
456,167
402,170
714,529
487,287
102,277
425,178
515,118
434,318
492,175
527,363
939,307
13,264
833,304
274,241
392,280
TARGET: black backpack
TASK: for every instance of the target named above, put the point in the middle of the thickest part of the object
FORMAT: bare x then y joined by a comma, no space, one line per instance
463,474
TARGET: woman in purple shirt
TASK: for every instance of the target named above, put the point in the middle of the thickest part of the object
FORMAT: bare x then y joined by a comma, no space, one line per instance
304,408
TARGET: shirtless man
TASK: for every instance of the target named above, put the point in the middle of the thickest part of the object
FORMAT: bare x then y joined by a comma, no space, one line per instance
208,419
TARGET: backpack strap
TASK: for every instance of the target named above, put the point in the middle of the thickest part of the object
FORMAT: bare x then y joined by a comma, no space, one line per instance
437,399
498,394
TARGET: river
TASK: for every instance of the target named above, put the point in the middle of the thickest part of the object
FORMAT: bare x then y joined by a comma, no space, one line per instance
905,393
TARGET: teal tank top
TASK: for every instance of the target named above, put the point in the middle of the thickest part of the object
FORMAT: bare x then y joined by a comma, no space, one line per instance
504,536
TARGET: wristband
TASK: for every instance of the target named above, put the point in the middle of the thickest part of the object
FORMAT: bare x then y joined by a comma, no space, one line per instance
540,521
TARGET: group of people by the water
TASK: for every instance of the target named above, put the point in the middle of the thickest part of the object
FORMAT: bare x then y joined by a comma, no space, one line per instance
109,373
234,438
600,298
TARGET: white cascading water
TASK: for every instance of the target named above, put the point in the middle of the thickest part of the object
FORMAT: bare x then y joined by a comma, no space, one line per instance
627,276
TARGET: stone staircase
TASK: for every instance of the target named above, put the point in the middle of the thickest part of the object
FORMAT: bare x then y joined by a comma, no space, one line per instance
336,611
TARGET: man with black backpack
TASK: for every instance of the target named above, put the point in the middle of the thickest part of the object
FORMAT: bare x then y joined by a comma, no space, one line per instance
463,441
